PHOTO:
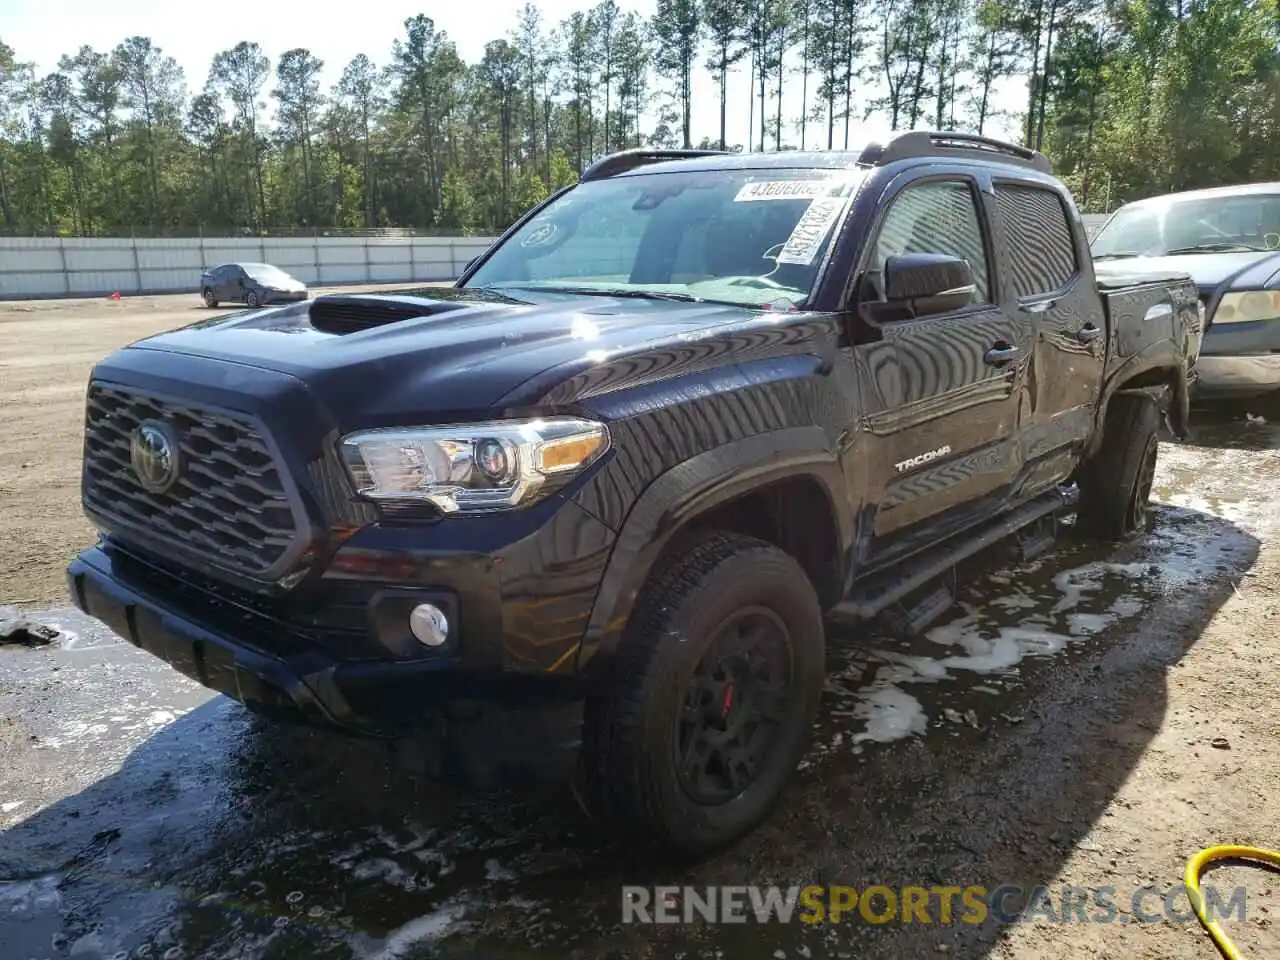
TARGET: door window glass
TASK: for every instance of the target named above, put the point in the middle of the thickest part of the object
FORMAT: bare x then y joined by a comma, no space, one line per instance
1042,250
936,217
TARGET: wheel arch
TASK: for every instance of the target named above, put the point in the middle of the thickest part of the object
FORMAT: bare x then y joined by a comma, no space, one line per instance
774,486
1157,372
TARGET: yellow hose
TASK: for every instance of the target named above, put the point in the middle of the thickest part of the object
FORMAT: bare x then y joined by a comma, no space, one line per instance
1191,880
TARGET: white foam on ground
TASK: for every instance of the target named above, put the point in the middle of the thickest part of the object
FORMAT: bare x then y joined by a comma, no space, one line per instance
890,713
1192,550
418,932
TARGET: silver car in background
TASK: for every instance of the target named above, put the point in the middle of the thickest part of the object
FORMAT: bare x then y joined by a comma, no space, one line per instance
1228,240
253,284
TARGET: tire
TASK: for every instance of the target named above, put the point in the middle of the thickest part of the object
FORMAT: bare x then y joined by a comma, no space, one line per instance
676,693
210,300
251,299
1115,485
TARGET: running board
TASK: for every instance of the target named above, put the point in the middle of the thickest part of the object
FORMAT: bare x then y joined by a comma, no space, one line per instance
883,590
923,612
1036,538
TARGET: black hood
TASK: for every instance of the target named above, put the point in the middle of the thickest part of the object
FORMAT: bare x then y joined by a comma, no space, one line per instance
386,359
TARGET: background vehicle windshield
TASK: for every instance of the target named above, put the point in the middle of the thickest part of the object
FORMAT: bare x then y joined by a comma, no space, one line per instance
747,237
1217,224
265,273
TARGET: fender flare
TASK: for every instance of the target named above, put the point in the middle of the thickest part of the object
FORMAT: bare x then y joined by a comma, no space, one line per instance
688,490
1162,355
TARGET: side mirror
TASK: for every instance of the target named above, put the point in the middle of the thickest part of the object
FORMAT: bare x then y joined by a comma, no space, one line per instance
928,283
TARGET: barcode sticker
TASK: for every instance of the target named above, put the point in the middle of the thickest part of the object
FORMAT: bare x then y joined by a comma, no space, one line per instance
806,239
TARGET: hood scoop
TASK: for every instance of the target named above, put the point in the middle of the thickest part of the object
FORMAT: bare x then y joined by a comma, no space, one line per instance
341,314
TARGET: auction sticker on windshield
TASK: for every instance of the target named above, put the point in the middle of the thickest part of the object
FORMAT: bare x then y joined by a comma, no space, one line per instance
540,235
806,239
783,190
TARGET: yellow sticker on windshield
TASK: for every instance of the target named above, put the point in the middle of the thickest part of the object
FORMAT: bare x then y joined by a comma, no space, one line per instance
784,190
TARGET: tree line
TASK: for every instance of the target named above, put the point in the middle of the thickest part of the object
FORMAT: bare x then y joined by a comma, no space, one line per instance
1128,97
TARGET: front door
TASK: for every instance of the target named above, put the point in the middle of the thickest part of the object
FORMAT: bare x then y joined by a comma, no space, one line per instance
224,283
950,436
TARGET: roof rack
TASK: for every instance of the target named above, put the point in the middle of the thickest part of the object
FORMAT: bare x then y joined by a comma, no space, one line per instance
621,162
935,143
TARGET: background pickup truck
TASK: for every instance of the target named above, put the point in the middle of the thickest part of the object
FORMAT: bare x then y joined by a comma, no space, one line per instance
601,494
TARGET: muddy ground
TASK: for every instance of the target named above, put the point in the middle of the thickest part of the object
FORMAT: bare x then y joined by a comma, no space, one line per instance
1089,718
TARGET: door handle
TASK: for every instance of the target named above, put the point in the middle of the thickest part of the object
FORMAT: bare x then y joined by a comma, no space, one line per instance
1041,306
1000,354
1088,333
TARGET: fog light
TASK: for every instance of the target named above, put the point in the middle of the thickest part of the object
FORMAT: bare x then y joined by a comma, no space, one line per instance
429,624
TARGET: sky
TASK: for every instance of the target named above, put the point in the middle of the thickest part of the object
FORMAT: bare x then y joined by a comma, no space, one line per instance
41,31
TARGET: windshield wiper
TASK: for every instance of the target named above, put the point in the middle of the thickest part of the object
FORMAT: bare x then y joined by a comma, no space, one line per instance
1119,255
597,292
1216,248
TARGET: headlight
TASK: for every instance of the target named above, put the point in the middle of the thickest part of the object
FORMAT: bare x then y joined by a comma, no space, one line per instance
473,467
1248,307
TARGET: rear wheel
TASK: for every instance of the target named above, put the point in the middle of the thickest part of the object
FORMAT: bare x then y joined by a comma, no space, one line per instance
718,679
210,300
1115,485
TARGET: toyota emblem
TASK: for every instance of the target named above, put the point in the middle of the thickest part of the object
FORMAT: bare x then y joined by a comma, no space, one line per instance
154,455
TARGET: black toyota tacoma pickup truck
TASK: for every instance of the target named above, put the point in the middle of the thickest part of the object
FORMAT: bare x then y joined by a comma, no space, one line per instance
621,472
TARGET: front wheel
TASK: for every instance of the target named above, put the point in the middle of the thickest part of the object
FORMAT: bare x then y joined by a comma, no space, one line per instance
718,679
1115,485
251,299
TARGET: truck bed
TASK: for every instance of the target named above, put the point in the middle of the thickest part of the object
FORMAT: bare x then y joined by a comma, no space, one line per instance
1145,307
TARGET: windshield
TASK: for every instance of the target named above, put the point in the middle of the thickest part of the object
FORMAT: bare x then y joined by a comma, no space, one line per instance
749,237
265,273
1201,225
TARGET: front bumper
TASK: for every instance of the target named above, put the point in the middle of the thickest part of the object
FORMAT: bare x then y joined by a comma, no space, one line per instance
304,687
1245,375
286,679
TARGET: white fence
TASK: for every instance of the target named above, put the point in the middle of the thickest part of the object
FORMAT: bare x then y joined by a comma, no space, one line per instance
51,267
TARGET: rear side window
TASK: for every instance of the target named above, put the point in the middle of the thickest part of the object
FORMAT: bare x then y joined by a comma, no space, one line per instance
1041,249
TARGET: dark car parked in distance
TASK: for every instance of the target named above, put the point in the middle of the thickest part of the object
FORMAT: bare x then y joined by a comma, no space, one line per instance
597,499
253,284
1228,240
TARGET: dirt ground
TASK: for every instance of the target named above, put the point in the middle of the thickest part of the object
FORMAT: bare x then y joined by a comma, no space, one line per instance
47,348
1089,719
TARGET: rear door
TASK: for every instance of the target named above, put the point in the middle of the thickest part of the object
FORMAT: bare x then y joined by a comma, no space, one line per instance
950,436
1041,244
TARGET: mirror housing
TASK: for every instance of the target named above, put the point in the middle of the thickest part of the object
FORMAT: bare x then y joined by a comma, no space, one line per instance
928,283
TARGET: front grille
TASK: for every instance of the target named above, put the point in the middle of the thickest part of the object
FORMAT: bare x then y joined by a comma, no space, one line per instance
228,502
